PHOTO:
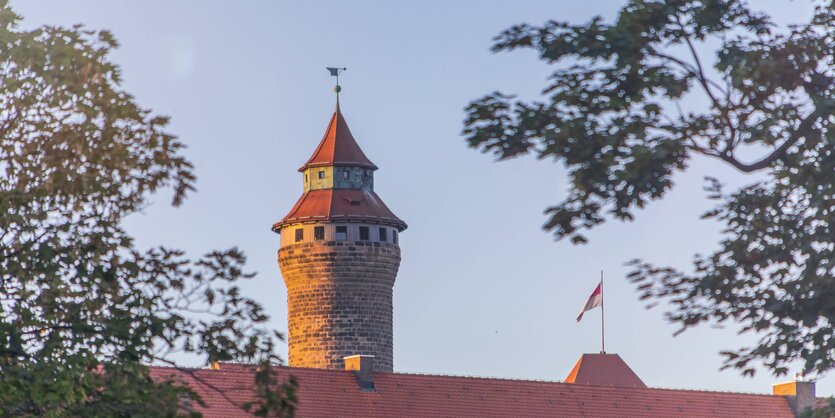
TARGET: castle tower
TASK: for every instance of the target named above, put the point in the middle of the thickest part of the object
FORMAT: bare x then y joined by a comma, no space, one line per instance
339,256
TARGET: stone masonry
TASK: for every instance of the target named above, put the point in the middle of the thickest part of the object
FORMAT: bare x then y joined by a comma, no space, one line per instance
339,297
339,257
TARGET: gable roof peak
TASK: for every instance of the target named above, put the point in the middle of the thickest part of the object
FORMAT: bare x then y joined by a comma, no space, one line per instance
603,369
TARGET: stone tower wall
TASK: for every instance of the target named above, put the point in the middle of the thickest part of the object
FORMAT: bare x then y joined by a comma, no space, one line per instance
339,298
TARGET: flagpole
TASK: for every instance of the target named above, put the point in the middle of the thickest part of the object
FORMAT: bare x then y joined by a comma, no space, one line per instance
602,323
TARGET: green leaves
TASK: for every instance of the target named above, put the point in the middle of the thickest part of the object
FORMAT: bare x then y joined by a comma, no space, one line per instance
82,311
611,114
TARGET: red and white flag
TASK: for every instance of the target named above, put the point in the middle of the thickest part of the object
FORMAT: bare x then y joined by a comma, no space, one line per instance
595,300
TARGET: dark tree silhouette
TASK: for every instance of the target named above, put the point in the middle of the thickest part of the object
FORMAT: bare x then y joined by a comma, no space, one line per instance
83,312
610,114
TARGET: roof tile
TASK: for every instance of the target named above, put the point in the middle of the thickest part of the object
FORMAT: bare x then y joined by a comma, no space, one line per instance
338,147
603,369
335,393
335,205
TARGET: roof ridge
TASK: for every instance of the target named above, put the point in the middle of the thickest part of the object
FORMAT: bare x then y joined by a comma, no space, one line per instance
461,376
335,126
330,206
517,379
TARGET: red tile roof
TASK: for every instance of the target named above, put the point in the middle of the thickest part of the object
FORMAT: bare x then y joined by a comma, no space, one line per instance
338,147
604,369
340,205
335,393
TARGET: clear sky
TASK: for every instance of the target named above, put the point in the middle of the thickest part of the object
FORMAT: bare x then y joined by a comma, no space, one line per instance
482,290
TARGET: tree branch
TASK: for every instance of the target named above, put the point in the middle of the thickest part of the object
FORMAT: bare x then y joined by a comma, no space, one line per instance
800,132
705,82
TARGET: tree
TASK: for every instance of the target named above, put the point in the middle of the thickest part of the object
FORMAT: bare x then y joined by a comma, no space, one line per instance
83,312
612,116
821,411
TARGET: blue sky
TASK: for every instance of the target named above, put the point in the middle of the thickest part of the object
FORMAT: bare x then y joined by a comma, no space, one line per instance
482,289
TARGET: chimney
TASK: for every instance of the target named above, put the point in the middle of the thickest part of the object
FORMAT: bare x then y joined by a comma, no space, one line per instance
799,392
363,368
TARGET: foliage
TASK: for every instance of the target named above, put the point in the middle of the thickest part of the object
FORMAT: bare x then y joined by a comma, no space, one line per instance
613,117
825,411
83,312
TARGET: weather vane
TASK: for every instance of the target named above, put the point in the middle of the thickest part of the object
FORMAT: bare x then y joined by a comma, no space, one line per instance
335,73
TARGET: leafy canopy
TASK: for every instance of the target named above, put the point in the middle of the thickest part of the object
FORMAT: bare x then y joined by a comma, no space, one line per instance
612,116
82,310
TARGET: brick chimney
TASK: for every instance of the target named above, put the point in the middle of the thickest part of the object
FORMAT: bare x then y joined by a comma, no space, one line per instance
799,392
363,368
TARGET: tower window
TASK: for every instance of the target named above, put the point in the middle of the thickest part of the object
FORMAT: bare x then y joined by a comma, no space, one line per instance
394,236
383,235
364,235
318,233
299,235
345,174
341,233
305,178
322,174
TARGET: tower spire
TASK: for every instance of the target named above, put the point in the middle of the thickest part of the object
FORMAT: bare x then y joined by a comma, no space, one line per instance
339,257
335,73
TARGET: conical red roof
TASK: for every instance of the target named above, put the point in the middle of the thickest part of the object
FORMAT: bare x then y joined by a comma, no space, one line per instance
343,205
602,369
338,147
